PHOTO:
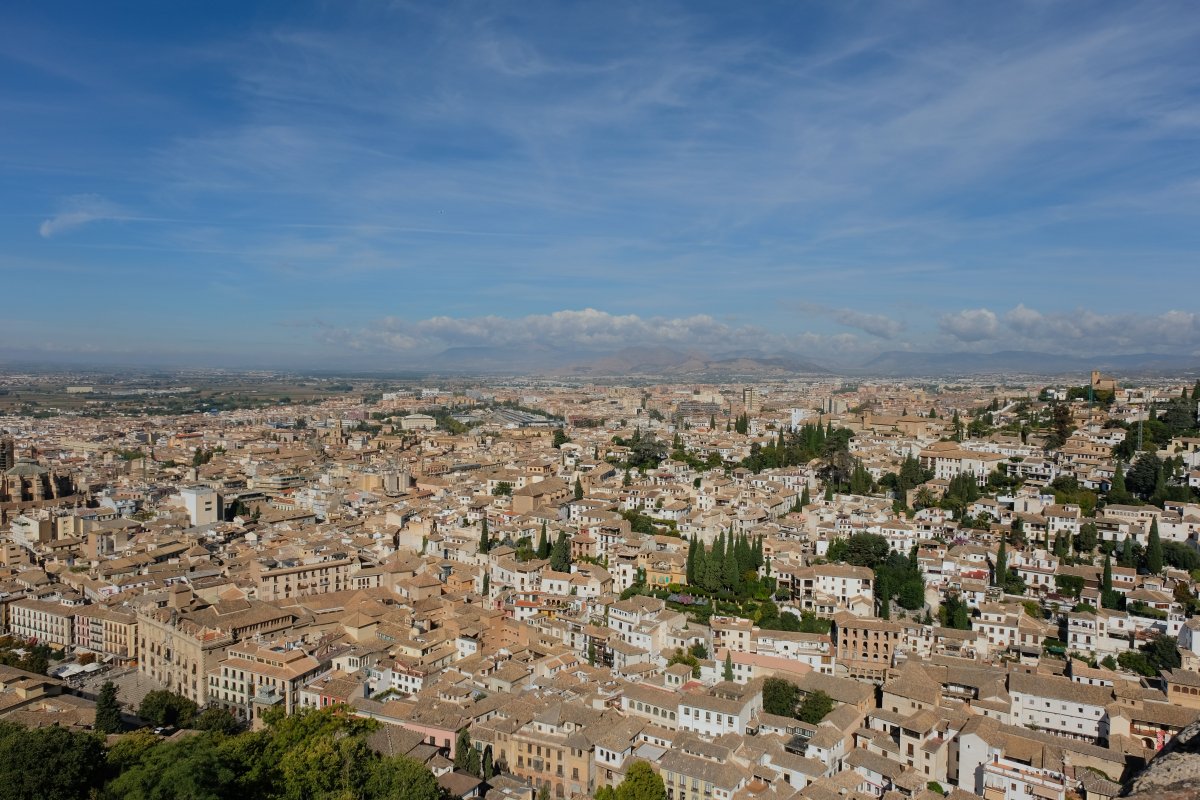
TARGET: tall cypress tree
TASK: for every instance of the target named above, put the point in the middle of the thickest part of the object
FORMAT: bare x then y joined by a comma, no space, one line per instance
745,561
1154,550
1108,598
715,568
543,548
731,579
1062,544
1128,558
108,713
1118,488
805,499
1001,576
691,564
701,564
884,593
485,542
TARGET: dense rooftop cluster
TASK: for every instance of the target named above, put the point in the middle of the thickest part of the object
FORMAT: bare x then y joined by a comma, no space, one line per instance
790,590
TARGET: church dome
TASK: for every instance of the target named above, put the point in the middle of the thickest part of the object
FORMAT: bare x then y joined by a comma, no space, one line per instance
26,468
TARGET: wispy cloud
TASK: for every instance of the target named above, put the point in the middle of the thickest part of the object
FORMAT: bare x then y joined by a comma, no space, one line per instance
77,211
878,325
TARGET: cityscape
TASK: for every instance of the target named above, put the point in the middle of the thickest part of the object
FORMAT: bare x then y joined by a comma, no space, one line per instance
549,401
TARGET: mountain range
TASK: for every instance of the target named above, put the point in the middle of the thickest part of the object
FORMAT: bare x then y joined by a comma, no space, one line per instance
906,363
667,362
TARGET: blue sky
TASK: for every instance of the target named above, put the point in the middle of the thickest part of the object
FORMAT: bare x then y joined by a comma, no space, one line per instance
370,183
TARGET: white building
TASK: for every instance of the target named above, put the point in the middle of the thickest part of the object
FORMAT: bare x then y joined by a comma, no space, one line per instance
202,504
1059,705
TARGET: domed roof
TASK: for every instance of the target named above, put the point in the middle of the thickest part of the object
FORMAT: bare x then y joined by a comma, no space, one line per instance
26,468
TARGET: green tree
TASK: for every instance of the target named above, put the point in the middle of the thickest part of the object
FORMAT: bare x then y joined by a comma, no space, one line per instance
1135,661
815,706
217,720
108,712
1163,652
861,550
578,489
1018,529
485,540
1061,426
193,768
1088,537
780,697
1154,550
1069,585
560,437
49,762
162,707
1000,577
543,548
560,554
728,673
401,778
682,657
475,763
1109,598
1144,475
1118,491
462,750
1180,556
641,783
955,614
1129,556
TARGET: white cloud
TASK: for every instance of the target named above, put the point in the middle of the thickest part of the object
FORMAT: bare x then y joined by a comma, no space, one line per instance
1089,331
77,211
970,325
875,324
586,329
1080,330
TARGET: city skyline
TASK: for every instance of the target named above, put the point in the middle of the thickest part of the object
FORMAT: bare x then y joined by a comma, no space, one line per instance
370,186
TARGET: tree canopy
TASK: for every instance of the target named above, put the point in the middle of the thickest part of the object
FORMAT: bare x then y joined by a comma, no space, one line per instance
313,754
641,783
